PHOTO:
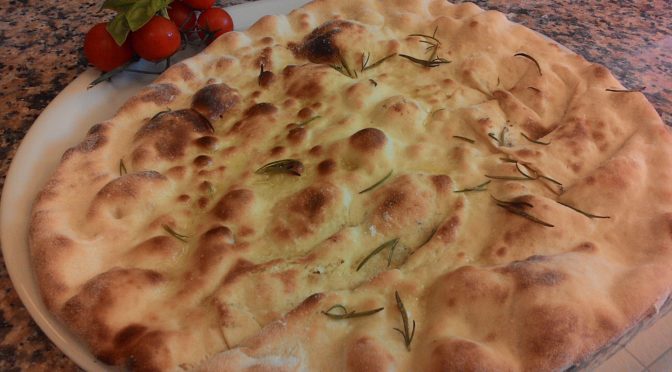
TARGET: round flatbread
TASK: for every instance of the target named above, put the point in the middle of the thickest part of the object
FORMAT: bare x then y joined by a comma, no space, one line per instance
363,185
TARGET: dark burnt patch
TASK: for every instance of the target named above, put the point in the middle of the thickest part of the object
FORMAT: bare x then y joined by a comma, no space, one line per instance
206,142
94,139
129,334
316,150
259,109
311,202
265,58
297,135
215,100
217,234
266,78
320,45
306,113
234,204
171,132
202,161
326,167
442,183
368,139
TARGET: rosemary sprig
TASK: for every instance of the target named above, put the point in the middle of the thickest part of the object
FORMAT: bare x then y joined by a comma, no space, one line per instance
494,137
507,160
535,175
437,111
589,215
552,180
345,314
509,178
465,139
344,69
525,176
432,41
636,90
525,214
481,187
122,168
525,55
433,37
408,337
390,243
434,44
516,207
534,141
289,166
513,203
431,235
160,113
108,75
178,236
433,62
380,182
365,62
501,139
306,122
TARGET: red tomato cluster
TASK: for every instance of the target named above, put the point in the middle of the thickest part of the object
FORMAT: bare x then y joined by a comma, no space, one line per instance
159,38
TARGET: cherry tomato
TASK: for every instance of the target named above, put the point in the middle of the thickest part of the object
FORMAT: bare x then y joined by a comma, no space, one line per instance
200,4
214,22
156,40
183,16
102,51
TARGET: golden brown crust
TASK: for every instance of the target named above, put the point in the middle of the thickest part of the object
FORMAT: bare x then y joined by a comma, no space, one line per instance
163,245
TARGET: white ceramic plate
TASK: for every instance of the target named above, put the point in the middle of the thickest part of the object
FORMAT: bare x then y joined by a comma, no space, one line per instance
61,125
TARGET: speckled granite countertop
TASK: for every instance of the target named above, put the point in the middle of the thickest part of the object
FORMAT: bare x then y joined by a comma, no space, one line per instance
40,53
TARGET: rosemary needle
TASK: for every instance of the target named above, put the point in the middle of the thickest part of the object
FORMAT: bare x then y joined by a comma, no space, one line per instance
481,187
343,312
380,182
178,236
390,243
525,55
290,166
589,215
122,168
408,337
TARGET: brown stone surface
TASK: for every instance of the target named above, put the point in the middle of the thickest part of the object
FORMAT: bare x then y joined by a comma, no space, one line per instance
40,54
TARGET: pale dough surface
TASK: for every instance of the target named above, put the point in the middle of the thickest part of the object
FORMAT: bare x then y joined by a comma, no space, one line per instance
158,243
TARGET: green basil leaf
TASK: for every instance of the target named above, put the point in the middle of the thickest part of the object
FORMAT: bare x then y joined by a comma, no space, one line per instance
143,10
121,6
119,29
160,4
139,14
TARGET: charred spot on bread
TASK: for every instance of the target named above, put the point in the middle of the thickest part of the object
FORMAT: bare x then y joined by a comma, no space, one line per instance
170,133
215,100
368,139
319,46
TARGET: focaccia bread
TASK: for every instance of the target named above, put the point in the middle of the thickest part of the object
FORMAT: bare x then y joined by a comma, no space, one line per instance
506,203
